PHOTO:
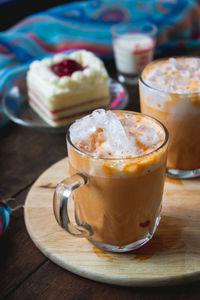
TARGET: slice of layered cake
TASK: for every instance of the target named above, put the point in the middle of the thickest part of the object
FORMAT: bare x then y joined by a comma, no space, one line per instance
65,87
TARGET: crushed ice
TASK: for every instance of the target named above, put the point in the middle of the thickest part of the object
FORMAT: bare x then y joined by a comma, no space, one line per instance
116,140
115,135
175,75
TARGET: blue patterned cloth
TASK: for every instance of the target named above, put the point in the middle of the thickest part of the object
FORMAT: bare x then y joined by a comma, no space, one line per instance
5,212
86,25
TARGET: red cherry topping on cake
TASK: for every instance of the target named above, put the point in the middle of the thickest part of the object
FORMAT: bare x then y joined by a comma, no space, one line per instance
66,67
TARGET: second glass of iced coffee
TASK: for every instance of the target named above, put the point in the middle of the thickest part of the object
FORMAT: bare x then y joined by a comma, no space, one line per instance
170,92
117,164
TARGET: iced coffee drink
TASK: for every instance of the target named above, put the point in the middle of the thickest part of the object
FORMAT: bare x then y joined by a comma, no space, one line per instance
122,158
170,92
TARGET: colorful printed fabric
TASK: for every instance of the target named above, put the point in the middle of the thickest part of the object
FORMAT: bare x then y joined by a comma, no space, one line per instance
87,25
5,212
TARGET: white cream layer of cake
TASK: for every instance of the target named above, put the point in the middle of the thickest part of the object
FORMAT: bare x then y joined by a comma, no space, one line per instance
83,90
68,115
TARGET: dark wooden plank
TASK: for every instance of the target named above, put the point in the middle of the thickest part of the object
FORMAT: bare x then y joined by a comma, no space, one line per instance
52,282
18,255
24,154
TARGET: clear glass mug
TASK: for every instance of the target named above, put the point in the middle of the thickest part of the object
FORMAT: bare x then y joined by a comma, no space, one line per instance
180,113
117,201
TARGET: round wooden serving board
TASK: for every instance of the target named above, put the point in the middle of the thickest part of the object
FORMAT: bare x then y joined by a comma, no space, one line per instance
171,257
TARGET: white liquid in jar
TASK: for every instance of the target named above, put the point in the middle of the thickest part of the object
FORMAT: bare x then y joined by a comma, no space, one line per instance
132,52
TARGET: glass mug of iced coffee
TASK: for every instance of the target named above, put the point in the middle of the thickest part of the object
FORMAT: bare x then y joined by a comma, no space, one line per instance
117,164
170,92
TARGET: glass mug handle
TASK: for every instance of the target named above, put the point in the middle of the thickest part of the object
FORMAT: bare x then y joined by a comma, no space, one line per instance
62,194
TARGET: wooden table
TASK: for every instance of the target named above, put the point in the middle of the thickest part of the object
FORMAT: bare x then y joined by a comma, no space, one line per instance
25,273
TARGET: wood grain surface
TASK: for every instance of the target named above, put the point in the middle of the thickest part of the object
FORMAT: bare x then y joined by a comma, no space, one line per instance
171,257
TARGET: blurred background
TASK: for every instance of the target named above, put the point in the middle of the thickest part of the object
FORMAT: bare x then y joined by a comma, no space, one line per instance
12,11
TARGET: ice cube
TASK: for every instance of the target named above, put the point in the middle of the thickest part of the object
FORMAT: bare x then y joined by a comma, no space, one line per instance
116,140
81,129
148,135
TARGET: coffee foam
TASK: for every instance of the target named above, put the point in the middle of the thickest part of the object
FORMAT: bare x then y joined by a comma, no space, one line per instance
105,134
